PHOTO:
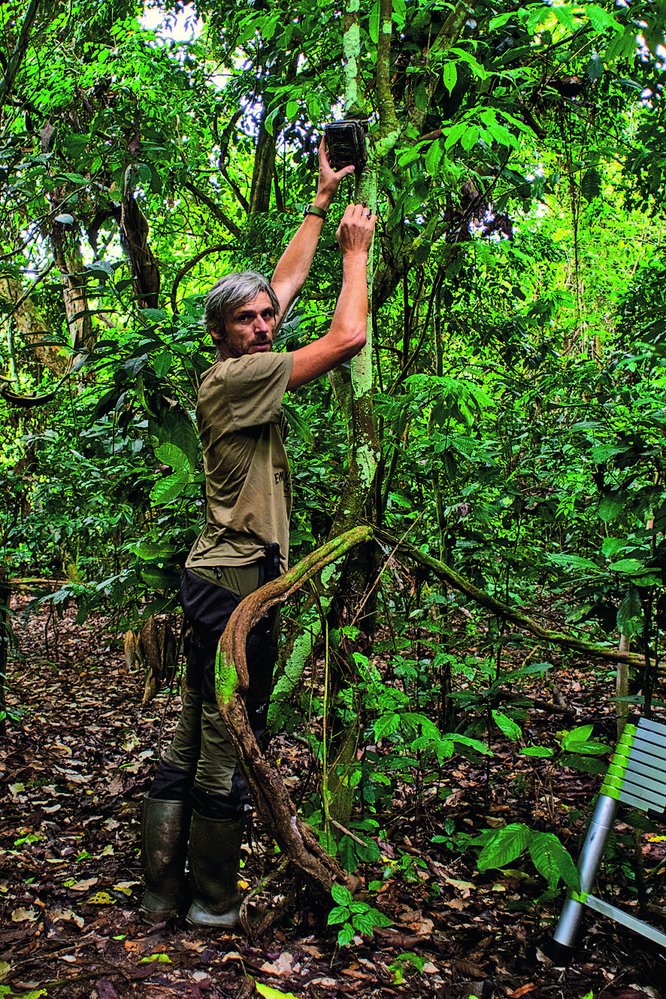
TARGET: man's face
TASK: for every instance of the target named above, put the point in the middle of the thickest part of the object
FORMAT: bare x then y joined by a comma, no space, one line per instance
249,329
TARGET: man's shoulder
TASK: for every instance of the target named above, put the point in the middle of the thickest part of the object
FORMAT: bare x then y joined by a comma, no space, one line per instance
262,363
249,364
247,390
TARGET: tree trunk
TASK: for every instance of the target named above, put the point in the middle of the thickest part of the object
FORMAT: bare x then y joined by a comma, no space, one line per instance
5,592
264,169
31,326
20,49
67,255
134,236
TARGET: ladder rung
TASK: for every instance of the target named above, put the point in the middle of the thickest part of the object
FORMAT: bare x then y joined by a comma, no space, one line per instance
631,922
653,726
627,798
645,773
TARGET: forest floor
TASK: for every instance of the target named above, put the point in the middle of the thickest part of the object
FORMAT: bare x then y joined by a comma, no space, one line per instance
77,760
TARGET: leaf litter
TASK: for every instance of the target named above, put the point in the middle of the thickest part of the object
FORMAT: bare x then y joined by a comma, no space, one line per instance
76,765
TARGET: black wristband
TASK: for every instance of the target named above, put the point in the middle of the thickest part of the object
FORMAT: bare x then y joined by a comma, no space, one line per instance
315,210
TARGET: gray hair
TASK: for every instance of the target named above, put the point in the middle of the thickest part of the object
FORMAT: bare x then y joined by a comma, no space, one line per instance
231,292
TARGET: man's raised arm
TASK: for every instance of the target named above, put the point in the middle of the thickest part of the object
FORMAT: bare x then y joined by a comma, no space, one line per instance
347,333
294,265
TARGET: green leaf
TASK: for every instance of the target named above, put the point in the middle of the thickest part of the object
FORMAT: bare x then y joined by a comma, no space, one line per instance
591,184
585,764
504,846
601,19
539,751
374,23
553,860
630,614
500,20
576,736
297,423
379,918
470,137
466,740
611,546
74,178
595,67
629,565
507,725
364,923
454,134
268,992
434,156
161,362
177,428
156,959
338,914
575,562
449,76
171,455
610,508
341,895
399,12
408,155
386,725
345,935
168,489
565,16
578,741
347,853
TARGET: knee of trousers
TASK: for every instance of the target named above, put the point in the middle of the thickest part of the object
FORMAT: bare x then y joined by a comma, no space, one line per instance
183,753
217,758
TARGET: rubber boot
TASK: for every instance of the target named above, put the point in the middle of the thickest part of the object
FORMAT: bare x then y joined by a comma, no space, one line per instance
214,862
164,831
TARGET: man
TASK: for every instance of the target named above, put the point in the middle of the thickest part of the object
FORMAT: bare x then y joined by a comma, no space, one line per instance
196,793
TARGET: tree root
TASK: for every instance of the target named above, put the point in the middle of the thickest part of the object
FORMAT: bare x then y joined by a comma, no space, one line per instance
257,929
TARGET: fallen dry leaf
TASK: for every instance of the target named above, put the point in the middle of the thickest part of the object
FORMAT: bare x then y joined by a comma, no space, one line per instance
82,885
283,966
523,990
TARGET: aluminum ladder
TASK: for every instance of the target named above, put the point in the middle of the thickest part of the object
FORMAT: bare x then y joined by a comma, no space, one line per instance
636,777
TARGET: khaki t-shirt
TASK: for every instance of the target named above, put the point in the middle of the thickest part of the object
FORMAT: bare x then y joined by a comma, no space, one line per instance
248,489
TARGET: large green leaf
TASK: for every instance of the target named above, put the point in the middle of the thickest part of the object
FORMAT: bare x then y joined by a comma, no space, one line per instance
386,725
174,457
168,489
507,725
269,992
553,860
504,846
630,614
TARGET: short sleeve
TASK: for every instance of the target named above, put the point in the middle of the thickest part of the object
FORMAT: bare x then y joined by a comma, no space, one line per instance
254,387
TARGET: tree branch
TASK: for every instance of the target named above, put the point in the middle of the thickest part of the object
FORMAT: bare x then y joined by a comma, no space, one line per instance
19,52
449,575
218,248
215,209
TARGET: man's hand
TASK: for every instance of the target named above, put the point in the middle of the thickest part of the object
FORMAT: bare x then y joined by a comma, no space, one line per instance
348,331
294,264
356,229
329,179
